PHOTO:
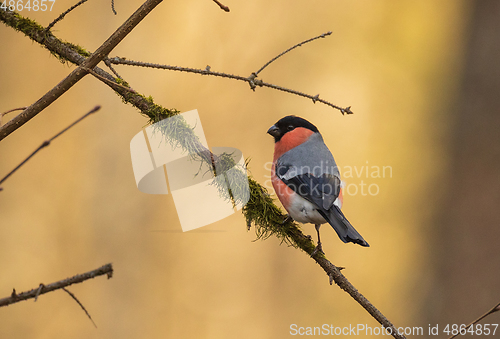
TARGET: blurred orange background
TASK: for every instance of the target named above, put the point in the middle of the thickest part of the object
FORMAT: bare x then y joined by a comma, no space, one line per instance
75,206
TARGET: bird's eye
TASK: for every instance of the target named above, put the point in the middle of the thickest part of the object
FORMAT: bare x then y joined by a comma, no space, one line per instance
290,127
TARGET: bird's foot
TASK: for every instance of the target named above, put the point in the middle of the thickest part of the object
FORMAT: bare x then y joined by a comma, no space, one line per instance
317,249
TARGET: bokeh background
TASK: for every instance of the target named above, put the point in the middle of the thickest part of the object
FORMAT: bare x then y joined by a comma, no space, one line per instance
423,80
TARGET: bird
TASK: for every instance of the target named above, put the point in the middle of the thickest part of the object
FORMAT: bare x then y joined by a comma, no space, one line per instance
306,179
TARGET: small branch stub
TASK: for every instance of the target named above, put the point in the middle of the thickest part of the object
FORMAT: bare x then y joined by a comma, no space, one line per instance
222,6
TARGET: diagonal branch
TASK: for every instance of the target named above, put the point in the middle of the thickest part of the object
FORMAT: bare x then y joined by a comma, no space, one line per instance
47,142
60,17
42,289
335,275
78,73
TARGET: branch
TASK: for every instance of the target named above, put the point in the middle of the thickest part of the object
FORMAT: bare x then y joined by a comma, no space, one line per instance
251,80
78,73
15,297
47,142
495,308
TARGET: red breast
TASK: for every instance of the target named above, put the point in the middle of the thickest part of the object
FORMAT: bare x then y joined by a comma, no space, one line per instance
290,140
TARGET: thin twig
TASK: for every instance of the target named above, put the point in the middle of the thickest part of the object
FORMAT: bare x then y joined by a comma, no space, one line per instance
110,66
81,305
17,297
113,6
60,17
495,308
207,71
293,47
223,7
12,110
47,142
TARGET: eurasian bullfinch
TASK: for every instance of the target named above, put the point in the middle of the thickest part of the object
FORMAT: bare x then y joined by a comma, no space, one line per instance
306,178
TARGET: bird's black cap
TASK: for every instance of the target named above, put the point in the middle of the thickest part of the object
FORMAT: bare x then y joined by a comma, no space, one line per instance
287,124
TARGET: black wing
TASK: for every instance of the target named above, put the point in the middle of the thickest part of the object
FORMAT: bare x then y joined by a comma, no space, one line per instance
321,190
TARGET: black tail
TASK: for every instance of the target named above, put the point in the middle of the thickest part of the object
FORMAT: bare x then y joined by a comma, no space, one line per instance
342,226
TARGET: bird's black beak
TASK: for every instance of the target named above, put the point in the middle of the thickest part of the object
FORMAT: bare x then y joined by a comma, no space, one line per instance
274,131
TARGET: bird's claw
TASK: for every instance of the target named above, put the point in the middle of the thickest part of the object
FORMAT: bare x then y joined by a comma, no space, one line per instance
317,249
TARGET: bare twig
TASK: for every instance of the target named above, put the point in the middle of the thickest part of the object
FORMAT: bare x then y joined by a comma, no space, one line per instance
207,71
288,50
113,6
223,7
108,63
9,111
495,308
81,305
47,142
16,297
78,73
60,17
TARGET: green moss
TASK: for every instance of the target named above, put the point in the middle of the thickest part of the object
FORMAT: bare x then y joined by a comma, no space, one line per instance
37,33
261,211
79,49
270,220
122,82
156,113
25,25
